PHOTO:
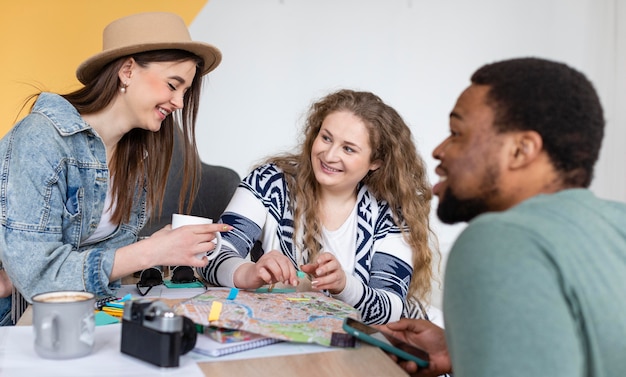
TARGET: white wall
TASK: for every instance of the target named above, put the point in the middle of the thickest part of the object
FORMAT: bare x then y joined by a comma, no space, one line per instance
280,55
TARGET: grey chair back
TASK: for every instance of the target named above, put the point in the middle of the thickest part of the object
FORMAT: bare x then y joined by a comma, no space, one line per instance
217,186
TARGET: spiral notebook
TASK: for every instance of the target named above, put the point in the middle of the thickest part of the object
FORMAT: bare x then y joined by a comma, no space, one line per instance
209,347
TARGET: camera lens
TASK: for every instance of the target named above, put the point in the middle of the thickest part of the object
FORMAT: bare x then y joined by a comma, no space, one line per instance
188,338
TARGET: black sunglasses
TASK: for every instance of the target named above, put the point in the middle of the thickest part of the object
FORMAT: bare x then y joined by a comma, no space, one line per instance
150,277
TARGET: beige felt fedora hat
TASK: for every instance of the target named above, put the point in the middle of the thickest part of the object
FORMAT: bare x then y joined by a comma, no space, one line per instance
146,32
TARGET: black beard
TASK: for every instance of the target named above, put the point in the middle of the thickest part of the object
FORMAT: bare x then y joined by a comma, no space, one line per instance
452,210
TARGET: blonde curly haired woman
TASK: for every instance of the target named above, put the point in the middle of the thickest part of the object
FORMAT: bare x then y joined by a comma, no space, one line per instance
350,208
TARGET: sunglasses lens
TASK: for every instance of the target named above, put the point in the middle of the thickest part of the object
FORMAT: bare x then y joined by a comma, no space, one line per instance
183,274
150,277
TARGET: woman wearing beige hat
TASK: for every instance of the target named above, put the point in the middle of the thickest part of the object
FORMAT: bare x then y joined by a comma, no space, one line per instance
82,172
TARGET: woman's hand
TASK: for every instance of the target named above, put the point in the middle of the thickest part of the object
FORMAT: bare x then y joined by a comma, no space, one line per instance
327,273
167,247
425,335
184,246
273,267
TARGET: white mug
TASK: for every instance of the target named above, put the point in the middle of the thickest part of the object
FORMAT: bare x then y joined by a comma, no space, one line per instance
64,324
179,220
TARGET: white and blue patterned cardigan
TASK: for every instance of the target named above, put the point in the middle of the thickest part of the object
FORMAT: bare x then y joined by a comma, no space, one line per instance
260,210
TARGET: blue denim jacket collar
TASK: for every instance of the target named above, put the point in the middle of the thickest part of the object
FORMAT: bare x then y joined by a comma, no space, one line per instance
64,117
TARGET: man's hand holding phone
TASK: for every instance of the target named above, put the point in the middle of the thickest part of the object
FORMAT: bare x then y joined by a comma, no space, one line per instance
425,335
396,347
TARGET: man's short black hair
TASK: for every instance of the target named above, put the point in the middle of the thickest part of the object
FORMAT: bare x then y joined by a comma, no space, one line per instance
556,101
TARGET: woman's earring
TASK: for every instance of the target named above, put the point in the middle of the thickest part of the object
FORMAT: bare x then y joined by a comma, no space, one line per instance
123,88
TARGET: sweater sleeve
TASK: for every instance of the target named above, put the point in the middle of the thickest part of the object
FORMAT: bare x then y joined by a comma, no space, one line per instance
249,212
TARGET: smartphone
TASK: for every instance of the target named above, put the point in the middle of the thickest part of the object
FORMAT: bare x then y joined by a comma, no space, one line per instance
378,338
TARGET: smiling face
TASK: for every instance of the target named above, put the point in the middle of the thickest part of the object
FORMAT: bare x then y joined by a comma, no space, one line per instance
341,152
471,160
155,91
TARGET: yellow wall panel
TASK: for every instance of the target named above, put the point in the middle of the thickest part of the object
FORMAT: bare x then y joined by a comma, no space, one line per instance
43,41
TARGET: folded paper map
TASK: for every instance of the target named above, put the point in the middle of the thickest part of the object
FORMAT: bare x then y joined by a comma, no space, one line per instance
304,317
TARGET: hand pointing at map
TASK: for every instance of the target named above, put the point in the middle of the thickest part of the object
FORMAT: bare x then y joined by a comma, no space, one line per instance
327,273
273,267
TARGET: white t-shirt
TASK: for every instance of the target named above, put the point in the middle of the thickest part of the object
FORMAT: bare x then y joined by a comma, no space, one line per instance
342,242
105,226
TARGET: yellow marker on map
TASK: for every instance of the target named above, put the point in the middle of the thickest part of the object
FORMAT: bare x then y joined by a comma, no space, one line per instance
298,299
216,310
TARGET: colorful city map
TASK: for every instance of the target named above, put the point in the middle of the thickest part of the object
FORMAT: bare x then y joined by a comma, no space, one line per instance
305,317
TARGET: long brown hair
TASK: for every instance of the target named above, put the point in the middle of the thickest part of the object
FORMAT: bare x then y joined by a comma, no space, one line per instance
401,180
141,156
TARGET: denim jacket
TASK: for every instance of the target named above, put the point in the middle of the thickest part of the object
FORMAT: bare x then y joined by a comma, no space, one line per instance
53,185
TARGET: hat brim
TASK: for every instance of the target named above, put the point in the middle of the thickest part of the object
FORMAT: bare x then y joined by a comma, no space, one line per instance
89,69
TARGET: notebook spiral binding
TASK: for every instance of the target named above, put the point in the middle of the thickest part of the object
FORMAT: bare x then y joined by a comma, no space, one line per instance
101,302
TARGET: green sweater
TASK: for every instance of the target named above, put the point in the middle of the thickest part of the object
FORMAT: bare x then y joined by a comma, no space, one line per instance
540,290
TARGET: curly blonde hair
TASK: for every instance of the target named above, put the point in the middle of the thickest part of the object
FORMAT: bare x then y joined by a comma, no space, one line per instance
401,180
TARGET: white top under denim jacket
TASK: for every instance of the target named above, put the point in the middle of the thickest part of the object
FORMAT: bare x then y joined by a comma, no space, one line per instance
260,210
53,185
